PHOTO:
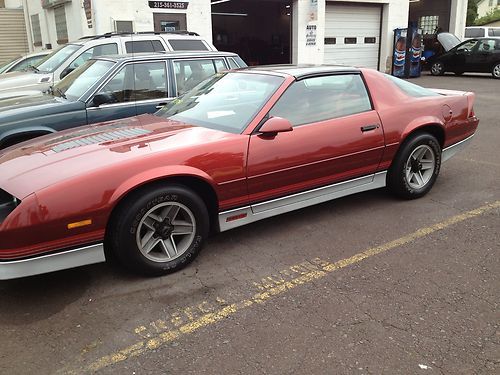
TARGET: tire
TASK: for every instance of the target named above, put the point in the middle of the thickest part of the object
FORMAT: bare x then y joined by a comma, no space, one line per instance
416,167
495,71
437,68
143,233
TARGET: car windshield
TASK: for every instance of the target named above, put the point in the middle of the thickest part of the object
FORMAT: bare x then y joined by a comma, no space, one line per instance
5,65
226,101
75,84
56,58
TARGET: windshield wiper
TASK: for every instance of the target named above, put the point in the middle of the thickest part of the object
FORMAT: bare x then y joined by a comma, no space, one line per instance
60,92
34,68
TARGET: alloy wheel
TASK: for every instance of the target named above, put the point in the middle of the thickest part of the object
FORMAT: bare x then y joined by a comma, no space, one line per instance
420,167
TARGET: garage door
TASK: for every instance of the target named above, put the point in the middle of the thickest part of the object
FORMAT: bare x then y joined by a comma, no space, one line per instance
352,34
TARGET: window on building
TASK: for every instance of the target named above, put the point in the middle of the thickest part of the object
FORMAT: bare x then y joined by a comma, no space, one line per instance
428,24
140,81
37,32
124,26
61,25
350,40
322,98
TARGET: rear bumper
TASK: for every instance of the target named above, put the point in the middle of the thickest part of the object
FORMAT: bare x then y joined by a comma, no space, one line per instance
450,151
53,262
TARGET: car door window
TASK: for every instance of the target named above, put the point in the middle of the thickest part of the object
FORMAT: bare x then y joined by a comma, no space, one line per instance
138,46
188,73
321,98
104,49
486,46
232,63
135,82
468,46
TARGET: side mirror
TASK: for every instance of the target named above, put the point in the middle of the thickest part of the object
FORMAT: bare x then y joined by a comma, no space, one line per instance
66,71
104,98
275,125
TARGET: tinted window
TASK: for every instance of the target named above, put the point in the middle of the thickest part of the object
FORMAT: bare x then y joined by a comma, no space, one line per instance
104,49
467,46
411,89
494,32
474,33
157,46
187,45
138,46
322,98
227,101
141,81
188,73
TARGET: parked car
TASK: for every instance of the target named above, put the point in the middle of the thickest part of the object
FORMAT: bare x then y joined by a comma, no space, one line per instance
474,55
240,147
473,32
24,62
108,88
60,63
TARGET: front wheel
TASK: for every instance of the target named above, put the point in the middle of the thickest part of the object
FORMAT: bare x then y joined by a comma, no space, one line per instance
437,69
495,72
416,167
159,230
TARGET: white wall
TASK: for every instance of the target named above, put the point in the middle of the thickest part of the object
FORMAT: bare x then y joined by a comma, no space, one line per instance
13,4
458,17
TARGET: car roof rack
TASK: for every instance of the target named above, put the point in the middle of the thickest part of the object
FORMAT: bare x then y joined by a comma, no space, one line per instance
111,34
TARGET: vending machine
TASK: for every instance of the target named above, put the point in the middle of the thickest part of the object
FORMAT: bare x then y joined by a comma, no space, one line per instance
407,52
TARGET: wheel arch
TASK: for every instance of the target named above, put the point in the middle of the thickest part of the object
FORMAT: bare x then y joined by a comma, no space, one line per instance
430,125
189,177
23,134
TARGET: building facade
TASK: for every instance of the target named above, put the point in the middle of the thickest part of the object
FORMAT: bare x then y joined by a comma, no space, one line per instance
487,6
355,32
13,34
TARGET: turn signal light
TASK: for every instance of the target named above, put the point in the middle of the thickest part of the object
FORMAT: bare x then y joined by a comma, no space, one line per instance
79,224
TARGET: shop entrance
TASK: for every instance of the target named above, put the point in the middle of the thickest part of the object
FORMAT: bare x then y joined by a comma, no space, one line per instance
258,30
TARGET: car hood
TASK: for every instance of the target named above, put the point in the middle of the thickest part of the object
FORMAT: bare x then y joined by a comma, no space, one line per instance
448,40
24,81
34,165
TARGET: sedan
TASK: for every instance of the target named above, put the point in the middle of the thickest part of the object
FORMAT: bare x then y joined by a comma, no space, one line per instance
481,55
108,88
21,63
239,147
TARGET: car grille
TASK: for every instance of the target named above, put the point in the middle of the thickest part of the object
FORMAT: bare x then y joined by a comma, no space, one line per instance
100,138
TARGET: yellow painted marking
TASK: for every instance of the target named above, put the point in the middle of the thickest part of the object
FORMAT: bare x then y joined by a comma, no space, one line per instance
278,286
79,224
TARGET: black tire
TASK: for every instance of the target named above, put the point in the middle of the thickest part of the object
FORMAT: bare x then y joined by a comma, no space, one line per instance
131,223
402,175
495,71
437,68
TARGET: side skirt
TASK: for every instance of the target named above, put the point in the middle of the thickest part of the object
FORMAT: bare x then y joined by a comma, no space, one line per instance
52,262
249,214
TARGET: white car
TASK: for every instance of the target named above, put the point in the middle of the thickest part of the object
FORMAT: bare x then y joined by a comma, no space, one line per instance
23,62
63,61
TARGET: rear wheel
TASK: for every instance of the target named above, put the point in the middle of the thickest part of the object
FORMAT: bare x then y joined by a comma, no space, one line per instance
437,68
416,167
495,72
160,230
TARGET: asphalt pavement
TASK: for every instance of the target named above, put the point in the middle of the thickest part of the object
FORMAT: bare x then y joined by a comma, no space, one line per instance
367,284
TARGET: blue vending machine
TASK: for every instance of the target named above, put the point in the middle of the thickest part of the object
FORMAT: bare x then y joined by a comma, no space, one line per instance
407,52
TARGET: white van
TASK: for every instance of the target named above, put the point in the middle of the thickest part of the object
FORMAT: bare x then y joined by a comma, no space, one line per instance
481,32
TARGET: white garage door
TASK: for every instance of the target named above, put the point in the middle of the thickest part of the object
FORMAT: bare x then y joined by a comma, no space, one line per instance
352,34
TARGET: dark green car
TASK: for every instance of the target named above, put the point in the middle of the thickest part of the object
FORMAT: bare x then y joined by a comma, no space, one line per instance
108,88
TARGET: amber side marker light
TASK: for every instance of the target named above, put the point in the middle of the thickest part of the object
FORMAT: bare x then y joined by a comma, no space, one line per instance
79,224
236,217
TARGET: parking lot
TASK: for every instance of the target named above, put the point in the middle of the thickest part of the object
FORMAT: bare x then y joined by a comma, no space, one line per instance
367,284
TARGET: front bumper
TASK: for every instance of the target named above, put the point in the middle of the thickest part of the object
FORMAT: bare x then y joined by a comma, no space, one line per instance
52,262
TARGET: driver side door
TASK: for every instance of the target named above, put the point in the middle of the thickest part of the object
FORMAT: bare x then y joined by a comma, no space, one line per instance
336,137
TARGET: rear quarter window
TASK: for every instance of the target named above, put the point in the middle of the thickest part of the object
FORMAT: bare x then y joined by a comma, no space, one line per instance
494,32
411,89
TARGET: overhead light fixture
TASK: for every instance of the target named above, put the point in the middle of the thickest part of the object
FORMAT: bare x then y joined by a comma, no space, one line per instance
219,1
229,14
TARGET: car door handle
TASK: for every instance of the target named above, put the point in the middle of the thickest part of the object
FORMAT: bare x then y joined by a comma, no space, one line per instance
367,128
161,105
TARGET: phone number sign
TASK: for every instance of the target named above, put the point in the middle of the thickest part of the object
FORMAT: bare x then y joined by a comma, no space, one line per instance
168,4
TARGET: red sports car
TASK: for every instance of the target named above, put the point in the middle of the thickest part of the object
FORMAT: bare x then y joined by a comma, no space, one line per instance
240,147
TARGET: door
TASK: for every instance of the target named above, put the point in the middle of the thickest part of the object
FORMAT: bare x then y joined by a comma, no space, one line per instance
336,137
483,55
352,34
135,89
461,59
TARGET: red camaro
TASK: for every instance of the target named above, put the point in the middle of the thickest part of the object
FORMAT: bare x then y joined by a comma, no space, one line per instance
240,147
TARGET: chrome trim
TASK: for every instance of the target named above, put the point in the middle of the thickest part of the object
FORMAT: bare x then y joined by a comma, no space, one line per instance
52,262
450,151
132,103
297,201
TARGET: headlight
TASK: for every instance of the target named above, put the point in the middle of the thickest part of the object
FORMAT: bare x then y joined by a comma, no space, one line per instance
7,204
